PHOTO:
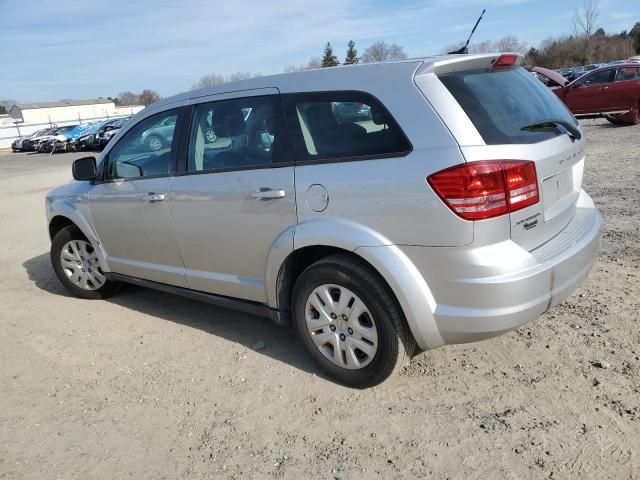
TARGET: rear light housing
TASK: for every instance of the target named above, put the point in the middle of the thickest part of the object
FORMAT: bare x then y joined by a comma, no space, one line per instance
487,189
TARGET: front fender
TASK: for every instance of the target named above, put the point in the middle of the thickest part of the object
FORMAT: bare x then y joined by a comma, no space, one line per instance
63,207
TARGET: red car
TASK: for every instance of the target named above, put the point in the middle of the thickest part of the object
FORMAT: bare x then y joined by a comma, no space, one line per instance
613,91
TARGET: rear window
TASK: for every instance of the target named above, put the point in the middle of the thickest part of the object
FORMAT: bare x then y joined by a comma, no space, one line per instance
501,102
342,125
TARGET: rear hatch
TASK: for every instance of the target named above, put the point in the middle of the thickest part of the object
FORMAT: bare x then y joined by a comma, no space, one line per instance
496,110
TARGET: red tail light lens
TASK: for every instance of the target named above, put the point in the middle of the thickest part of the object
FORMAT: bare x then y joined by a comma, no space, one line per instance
487,189
521,183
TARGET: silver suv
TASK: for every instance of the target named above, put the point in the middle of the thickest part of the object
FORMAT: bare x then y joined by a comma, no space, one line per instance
447,209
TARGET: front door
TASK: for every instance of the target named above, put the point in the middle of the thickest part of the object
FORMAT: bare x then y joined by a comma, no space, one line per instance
236,196
130,207
591,94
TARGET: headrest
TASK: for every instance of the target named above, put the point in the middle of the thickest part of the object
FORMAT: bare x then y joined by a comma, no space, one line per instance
320,117
234,122
378,116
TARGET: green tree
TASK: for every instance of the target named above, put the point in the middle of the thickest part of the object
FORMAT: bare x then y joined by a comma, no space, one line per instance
352,54
635,37
328,58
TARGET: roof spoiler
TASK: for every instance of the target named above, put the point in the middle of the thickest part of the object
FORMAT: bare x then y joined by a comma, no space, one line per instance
486,61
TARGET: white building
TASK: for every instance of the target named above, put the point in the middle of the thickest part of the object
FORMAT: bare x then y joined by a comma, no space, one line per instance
68,111
27,118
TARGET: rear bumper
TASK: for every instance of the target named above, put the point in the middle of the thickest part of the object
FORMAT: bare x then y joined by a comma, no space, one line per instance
482,292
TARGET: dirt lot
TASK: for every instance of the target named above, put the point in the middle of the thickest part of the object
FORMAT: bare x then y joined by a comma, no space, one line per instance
153,386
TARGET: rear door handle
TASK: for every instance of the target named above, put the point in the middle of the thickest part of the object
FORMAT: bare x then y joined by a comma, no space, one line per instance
604,88
153,197
268,194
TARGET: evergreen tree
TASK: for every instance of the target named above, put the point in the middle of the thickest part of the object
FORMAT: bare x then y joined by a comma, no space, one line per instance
328,58
635,37
352,54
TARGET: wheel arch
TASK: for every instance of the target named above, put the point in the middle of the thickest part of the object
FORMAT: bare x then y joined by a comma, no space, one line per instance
389,263
57,223
64,214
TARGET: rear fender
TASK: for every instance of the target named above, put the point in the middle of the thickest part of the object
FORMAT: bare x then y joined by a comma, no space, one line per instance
389,261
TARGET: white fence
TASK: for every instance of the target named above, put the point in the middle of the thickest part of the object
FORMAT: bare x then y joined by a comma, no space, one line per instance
8,133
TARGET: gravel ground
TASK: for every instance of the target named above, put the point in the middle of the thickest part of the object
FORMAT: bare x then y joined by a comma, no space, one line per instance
148,385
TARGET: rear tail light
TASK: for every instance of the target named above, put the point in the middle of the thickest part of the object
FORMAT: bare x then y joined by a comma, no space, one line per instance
487,189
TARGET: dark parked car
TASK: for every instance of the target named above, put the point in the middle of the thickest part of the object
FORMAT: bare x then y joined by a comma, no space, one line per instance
613,91
86,140
577,72
108,131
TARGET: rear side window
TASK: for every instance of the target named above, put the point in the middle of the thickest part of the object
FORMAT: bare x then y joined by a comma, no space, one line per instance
238,134
627,73
501,102
342,125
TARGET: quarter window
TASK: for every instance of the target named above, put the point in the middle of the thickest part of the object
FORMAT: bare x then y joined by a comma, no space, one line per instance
148,149
239,133
334,125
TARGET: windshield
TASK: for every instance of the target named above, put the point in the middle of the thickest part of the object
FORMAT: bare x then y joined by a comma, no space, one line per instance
501,102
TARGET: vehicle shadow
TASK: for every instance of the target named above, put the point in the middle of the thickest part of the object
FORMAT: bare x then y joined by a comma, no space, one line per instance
280,343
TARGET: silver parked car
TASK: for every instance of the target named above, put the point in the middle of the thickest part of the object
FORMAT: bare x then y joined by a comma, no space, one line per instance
452,211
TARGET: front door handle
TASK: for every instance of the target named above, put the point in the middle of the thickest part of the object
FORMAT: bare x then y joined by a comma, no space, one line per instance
268,194
153,197
604,88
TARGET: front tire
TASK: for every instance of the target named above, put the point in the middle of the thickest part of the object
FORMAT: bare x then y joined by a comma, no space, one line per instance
350,322
75,263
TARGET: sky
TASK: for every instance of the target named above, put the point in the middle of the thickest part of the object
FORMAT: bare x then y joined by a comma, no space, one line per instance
73,49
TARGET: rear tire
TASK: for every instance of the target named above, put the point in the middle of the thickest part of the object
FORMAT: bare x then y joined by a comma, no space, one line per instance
632,117
350,322
75,263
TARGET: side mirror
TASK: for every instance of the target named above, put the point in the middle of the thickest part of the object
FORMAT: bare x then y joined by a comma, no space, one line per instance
84,169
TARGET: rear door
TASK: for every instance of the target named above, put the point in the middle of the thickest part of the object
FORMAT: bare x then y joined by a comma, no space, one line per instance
592,93
625,90
486,109
235,200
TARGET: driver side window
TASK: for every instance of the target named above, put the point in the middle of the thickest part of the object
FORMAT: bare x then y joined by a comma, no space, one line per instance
598,78
148,149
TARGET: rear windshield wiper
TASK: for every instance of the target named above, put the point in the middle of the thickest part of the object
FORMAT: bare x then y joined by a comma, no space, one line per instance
571,129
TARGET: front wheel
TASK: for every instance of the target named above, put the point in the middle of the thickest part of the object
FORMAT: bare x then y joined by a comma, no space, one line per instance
76,265
350,322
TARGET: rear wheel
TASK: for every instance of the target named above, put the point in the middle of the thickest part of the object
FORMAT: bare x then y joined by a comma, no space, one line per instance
350,322
632,117
76,265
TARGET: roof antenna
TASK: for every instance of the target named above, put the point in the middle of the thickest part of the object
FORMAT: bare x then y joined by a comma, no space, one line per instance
464,50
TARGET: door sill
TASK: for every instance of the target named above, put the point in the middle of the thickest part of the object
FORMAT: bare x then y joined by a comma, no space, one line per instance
247,306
